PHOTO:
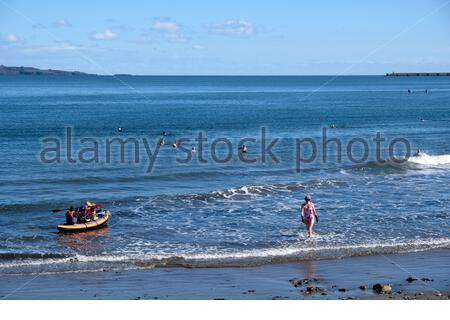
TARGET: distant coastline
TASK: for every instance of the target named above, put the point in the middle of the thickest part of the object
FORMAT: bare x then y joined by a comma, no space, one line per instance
17,71
418,74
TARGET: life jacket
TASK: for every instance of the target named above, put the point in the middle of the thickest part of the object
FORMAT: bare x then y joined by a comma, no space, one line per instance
69,217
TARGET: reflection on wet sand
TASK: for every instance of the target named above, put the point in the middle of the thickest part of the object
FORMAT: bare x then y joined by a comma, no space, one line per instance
310,270
84,242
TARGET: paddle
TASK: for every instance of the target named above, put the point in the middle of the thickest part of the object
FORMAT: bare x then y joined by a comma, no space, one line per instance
97,205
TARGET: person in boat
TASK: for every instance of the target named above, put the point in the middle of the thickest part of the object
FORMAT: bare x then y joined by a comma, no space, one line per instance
418,153
91,212
70,215
243,148
308,214
193,150
174,144
161,142
81,215
94,211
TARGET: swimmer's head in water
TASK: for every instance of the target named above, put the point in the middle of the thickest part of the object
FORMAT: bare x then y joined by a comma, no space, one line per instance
308,197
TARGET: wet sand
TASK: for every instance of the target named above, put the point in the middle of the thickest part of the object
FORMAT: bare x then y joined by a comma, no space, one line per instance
419,275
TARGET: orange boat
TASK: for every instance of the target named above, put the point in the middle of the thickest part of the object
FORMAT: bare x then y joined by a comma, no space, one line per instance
101,221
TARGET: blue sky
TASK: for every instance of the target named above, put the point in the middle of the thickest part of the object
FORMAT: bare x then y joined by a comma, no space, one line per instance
231,37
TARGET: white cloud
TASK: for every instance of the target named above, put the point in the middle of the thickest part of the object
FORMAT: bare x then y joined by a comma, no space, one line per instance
237,28
166,26
61,23
9,38
104,35
169,29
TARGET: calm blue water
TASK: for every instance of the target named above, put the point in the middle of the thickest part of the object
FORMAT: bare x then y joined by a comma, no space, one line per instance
218,214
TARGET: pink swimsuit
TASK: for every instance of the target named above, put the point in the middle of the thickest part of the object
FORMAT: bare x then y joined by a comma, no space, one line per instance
309,211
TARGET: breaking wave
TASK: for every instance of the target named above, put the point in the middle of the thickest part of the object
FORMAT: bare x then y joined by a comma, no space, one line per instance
421,162
245,258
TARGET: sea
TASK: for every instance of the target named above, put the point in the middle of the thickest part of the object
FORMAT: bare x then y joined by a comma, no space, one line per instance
348,141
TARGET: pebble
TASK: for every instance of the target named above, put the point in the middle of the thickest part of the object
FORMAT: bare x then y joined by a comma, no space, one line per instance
314,289
386,289
382,289
363,287
279,298
299,282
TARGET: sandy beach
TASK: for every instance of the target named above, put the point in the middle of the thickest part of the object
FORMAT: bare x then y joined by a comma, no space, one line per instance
418,275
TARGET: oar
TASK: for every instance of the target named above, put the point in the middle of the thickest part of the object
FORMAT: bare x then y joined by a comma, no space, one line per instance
97,205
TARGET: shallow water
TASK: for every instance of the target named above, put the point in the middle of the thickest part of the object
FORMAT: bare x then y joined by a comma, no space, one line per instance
220,214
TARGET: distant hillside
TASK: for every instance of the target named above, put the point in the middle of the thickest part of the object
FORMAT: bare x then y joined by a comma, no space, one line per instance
12,71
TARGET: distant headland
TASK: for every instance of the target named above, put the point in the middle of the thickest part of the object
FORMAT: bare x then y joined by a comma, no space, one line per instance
418,74
13,71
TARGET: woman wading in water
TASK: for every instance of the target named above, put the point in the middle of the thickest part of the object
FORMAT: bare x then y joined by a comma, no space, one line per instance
308,213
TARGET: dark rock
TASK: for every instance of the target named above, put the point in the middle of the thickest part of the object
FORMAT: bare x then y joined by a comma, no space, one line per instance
311,289
342,289
324,293
410,279
399,292
377,287
296,282
419,294
279,298
299,282
426,279
219,299
363,287
382,289
251,290
314,289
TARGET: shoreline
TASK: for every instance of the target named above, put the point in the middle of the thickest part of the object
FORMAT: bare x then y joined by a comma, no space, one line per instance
346,278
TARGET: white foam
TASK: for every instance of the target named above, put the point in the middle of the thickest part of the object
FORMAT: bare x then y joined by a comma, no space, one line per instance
293,250
430,160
